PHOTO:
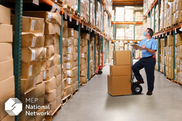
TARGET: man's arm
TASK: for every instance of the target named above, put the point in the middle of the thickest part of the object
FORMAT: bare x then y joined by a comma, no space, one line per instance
149,50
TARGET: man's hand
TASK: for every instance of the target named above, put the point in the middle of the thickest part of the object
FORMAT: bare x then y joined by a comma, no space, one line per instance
143,46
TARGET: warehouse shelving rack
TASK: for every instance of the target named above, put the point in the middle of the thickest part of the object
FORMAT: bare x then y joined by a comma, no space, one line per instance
173,30
18,38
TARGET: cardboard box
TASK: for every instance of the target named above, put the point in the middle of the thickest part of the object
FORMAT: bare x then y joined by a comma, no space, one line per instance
8,118
48,16
70,49
50,51
50,85
50,62
65,74
58,100
83,55
6,32
6,51
169,40
84,49
57,29
71,81
33,40
28,84
32,24
65,24
67,91
64,83
49,73
56,48
75,86
50,97
75,56
70,41
119,85
83,67
70,57
3,113
83,79
31,54
5,13
122,58
57,58
57,70
76,42
39,78
178,39
39,102
38,118
49,40
69,65
52,106
50,28
83,42
58,80
65,33
83,61
83,72
44,53
64,51
71,32
76,34
85,36
64,59
71,73
120,70
30,69
64,67
58,91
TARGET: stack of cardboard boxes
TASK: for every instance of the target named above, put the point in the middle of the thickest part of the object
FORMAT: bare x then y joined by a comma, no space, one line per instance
7,83
83,57
162,57
42,49
119,80
91,65
70,60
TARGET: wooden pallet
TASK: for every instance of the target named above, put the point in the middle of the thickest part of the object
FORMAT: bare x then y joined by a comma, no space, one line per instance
75,92
83,83
65,99
178,83
171,80
53,114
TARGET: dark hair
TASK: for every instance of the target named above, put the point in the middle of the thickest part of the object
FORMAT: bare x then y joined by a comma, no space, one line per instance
151,32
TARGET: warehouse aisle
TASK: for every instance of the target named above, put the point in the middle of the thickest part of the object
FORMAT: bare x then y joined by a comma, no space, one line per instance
93,103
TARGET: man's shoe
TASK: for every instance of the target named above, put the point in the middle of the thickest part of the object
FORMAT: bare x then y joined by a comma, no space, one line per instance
149,93
139,82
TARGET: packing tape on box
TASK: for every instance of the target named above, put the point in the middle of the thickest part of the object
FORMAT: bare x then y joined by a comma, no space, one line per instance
68,56
72,32
82,55
69,80
45,49
30,70
44,75
69,42
49,17
33,55
34,41
32,25
68,73
35,80
69,49
67,65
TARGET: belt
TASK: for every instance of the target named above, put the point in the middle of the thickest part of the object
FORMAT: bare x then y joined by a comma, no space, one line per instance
147,57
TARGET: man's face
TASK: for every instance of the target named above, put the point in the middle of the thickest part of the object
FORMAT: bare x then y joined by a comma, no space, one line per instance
147,34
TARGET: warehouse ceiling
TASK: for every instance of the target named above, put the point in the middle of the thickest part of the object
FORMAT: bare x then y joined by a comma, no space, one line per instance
128,2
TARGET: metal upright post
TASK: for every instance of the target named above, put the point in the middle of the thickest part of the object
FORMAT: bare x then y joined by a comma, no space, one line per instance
154,19
79,28
159,54
134,29
150,18
99,50
174,59
159,5
17,48
95,36
165,55
114,31
88,56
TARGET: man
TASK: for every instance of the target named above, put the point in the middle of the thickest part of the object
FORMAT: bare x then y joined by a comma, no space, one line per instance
147,61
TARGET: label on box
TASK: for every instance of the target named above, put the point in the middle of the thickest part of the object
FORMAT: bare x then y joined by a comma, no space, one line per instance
34,41
33,55
67,65
82,55
44,75
36,2
30,70
49,17
68,56
32,25
43,28
69,49
68,73
69,80
45,49
72,32
35,80
69,42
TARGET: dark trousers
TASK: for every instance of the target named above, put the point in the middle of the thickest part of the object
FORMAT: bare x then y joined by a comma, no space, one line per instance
149,65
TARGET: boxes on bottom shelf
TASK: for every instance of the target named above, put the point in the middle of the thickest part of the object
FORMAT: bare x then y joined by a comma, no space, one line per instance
49,73
50,97
50,85
83,79
119,85
58,100
52,106
67,91
6,69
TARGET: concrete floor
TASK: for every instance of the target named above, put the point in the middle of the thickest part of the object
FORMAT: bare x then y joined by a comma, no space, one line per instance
93,103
